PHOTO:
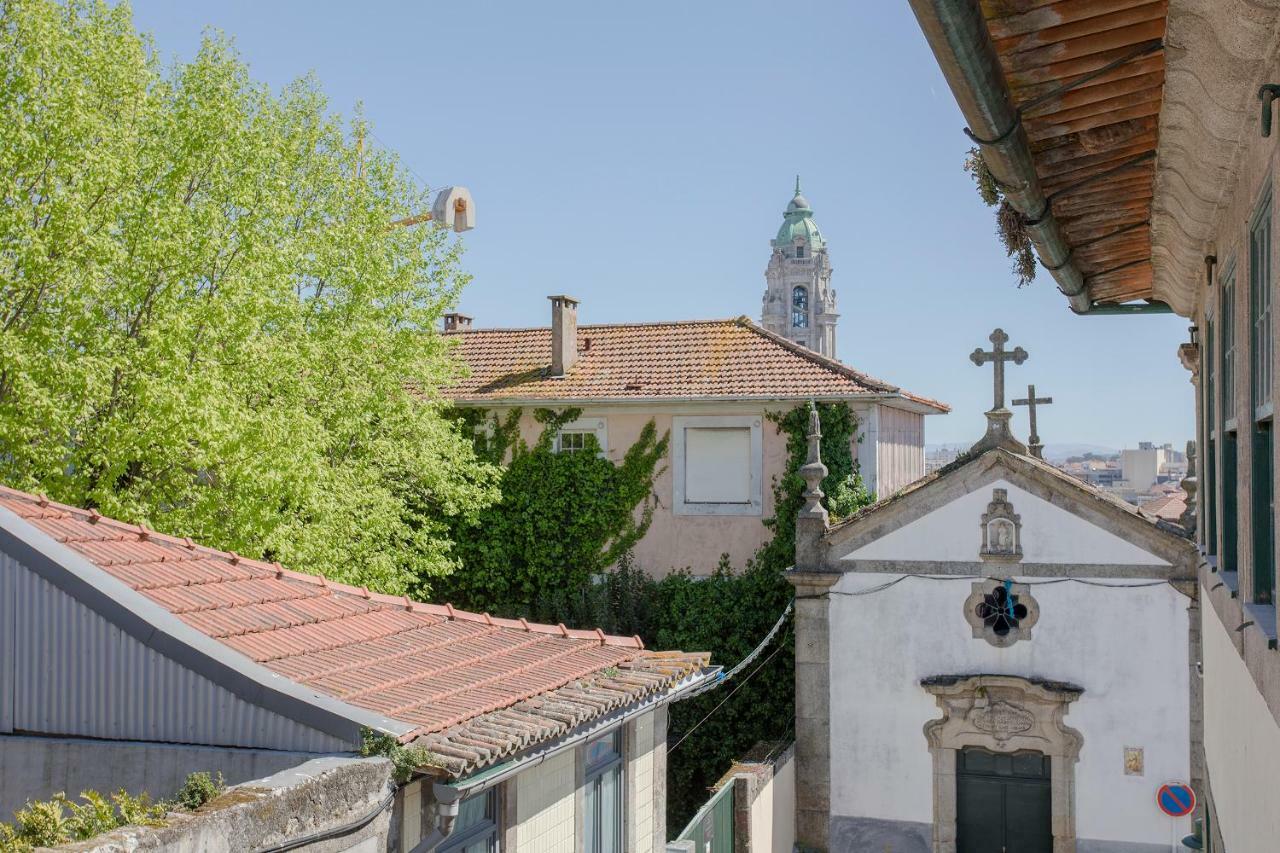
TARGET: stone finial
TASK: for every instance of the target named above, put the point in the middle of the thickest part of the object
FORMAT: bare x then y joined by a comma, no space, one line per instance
811,521
813,471
1189,485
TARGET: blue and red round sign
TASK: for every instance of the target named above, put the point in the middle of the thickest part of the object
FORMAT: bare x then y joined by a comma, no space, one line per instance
1176,799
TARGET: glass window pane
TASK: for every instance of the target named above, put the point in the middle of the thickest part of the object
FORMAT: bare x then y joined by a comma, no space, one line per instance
611,811
590,816
472,811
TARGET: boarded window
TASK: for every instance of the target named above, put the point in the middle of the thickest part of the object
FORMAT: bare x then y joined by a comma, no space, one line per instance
717,465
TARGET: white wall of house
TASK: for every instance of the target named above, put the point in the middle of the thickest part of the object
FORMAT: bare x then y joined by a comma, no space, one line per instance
1241,744
1126,647
899,450
545,806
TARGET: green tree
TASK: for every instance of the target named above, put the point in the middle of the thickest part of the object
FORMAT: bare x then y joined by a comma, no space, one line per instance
206,324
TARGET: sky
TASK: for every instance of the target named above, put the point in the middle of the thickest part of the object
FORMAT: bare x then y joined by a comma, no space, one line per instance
639,156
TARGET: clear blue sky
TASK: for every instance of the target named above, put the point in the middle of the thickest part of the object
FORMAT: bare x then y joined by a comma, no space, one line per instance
639,156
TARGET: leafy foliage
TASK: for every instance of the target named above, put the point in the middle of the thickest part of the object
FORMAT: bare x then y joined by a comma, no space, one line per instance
60,820
1011,227
198,789
206,323
404,759
563,518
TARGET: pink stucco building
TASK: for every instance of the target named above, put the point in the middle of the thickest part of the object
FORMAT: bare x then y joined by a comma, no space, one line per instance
711,384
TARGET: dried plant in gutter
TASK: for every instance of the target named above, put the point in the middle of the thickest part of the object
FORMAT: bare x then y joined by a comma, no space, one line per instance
1010,225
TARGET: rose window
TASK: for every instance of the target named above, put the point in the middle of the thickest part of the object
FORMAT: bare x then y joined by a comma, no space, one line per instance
1001,611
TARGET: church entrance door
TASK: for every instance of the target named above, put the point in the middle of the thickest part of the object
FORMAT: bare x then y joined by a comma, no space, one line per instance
1003,802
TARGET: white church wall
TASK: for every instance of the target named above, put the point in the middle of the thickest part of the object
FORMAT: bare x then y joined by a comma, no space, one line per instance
1050,535
1125,647
1241,745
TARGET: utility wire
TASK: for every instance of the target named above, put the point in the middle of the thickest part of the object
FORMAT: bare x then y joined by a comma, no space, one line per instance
741,684
1087,582
746,661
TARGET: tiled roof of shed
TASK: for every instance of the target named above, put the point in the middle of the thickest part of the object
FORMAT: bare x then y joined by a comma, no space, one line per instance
474,688
714,359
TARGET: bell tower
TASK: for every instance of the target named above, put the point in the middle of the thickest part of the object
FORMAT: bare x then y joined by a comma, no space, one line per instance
799,303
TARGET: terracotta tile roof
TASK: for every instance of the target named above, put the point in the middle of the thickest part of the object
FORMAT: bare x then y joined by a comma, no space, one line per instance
459,679
724,359
1170,507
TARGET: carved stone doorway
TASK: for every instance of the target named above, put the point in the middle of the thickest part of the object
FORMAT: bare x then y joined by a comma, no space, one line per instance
1002,714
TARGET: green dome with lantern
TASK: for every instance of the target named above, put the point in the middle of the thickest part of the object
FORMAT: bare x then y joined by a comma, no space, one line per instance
797,221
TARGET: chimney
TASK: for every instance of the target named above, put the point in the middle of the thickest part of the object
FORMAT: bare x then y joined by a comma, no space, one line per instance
455,322
564,333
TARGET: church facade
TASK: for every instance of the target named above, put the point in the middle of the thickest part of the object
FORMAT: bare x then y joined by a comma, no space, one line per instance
998,657
799,302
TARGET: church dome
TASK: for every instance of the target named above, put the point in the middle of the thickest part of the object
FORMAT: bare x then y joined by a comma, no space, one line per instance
797,221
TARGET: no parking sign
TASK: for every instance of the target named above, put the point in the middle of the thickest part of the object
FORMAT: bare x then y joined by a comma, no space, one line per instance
1176,799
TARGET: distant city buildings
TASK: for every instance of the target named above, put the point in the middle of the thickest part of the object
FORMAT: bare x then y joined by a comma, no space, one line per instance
1147,476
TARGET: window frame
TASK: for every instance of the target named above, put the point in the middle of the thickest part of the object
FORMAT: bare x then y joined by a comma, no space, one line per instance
1209,497
592,776
489,828
799,307
597,426
1260,334
1226,377
681,506
1262,569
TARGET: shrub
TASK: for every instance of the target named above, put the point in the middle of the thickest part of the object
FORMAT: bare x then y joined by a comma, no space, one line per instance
198,789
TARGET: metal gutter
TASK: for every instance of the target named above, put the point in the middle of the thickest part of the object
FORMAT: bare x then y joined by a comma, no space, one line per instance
957,33
1155,306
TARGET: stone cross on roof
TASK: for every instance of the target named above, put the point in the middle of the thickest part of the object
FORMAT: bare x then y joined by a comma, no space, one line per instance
998,434
1031,401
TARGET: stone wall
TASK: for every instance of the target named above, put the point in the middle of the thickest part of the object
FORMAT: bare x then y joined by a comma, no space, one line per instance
312,799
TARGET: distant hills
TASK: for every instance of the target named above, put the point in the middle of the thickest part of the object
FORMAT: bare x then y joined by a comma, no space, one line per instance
1060,452
1052,452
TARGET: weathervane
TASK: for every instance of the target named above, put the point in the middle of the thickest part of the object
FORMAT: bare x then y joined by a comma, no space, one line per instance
1031,401
998,433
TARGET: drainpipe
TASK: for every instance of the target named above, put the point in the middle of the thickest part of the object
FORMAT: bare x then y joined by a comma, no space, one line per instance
958,36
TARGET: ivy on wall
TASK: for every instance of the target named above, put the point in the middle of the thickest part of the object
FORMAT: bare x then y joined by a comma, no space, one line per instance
563,517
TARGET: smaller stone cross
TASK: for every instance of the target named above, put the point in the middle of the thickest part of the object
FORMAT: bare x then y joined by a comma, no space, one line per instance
998,432
1031,401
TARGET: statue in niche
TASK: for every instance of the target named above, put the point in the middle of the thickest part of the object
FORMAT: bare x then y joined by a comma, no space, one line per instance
1001,530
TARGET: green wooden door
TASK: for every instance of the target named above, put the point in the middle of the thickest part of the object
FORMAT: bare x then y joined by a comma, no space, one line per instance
1003,802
